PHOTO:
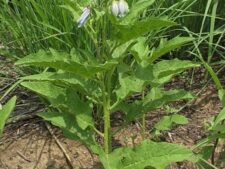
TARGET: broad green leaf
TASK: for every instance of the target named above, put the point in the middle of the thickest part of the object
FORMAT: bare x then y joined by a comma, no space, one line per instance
64,61
48,90
68,124
5,112
135,10
167,68
162,71
140,50
154,100
157,98
139,28
168,46
128,85
64,99
68,78
121,49
167,121
80,109
146,154
88,87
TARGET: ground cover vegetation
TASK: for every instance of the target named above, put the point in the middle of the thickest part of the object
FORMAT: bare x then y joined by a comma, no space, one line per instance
92,60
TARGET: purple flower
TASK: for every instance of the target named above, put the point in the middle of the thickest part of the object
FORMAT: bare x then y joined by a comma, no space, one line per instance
84,16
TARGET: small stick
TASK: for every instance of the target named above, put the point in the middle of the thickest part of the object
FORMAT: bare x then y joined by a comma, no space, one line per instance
59,145
39,157
23,156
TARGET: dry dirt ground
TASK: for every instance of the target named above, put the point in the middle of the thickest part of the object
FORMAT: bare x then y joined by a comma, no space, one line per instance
28,144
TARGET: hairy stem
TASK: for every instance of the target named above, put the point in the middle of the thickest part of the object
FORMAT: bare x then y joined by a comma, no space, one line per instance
106,110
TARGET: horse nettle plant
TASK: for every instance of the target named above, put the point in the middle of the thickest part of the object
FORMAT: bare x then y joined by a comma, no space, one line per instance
105,77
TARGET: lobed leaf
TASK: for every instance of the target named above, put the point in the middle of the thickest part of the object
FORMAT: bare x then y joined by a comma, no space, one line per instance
167,121
48,90
140,50
66,99
154,100
80,109
128,85
162,71
69,126
88,87
168,46
147,154
64,61
140,28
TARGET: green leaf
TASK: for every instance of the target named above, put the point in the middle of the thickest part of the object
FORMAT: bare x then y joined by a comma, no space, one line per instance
168,46
48,90
167,121
140,50
221,95
128,85
65,61
147,154
5,112
88,87
154,100
121,49
162,71
135,10
68,124
140,28
157,98
220,117
80,109
66,99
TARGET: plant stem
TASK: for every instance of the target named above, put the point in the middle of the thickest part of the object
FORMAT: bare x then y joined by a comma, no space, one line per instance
107,129
106,110
143,117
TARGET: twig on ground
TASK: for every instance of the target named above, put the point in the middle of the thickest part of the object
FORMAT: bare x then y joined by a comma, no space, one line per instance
39,157
60,145
23,156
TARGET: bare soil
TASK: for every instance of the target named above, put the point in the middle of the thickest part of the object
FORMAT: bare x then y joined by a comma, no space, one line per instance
28,144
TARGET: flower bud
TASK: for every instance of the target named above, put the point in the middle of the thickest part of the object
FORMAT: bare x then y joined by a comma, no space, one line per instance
123,8
115,8
84,16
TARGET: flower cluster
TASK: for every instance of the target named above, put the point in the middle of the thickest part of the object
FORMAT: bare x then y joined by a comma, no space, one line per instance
120,8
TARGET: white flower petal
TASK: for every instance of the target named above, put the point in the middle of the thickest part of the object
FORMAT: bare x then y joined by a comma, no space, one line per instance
115,8
84,16
123,8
